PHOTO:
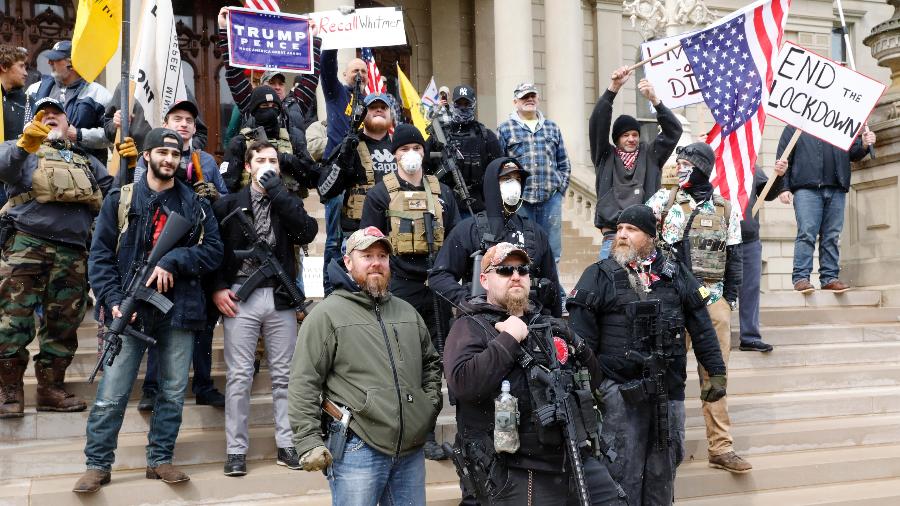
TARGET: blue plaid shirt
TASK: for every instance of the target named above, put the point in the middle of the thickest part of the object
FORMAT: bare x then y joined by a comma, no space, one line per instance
541,152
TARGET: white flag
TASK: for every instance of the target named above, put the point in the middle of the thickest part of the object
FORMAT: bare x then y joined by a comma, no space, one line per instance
430,97
156,69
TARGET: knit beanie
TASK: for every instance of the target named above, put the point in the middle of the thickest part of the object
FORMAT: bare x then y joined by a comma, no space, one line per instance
641,216
624,123
406,134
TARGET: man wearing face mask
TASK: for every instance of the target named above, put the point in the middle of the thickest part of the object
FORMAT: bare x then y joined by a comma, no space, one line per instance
477,144
363,164
498,222
705,231
265,112
628,170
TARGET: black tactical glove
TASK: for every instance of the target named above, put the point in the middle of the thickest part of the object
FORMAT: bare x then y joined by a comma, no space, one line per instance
714,389
348,150
207,190
271,182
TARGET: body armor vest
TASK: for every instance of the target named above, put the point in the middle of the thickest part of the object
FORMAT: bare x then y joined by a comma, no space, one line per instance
406,213
356,195
282,145
707,235
471,143
60,178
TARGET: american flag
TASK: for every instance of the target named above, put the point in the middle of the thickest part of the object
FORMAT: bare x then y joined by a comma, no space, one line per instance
733,63
373,74
263,5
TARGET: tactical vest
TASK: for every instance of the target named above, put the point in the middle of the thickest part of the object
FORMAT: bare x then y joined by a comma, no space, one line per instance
471,144
356,196
58,179
706,233
406,213
282,145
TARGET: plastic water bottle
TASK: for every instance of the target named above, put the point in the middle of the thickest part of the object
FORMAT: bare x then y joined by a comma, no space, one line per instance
506,421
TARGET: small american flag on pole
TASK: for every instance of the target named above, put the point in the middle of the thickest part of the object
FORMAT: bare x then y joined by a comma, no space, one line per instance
733,63
263,5
373,74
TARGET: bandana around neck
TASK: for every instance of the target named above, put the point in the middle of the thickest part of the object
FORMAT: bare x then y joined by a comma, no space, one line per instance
628,159
642,268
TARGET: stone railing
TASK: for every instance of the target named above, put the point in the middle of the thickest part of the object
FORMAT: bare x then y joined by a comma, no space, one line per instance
579,203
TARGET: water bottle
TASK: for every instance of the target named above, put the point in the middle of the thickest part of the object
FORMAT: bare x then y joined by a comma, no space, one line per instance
506,421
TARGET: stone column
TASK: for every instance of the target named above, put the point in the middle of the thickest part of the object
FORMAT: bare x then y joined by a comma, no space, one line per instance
446,43
513,50
485,82
344,55
564,25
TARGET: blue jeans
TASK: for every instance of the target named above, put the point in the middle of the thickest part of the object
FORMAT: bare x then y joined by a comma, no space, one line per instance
201,362
107,413
366,477
548,215
333,235
607,245
820,214
749,291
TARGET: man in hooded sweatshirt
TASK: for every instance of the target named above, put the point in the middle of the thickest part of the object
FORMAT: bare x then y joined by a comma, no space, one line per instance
629,170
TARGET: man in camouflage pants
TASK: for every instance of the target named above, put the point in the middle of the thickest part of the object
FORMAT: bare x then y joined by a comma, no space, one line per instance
55,191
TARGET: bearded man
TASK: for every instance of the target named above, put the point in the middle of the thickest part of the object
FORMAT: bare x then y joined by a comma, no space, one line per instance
367,357
613,307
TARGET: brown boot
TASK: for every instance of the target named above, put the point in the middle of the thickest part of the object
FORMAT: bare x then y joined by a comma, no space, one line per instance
12,390
50,393
91,481
167,473
730,462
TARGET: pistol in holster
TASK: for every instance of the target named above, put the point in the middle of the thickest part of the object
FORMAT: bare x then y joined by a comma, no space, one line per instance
338,429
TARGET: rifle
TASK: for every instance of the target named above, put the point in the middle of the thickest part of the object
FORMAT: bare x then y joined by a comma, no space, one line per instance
357,115
645,318
450,157
428,218
560,410
137,291
269,266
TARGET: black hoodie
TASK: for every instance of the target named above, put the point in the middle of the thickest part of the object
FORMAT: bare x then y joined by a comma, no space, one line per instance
454,262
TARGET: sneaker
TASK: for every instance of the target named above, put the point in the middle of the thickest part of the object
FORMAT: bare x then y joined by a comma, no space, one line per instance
288,457
730,462
148,400
804,286
235,465
836,286
756,346
434,451
212,398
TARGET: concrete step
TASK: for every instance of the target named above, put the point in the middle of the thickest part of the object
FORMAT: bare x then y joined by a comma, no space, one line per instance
812,355
835,467
820,299
824,334
860,493
820,316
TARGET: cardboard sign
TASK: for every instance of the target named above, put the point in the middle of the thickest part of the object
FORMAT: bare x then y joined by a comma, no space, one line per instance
379,26
266,40
671,74
821,97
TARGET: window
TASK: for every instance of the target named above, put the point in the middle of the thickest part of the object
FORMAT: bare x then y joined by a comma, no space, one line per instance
838,47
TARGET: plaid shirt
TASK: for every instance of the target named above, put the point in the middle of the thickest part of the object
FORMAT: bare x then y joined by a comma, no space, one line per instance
542,153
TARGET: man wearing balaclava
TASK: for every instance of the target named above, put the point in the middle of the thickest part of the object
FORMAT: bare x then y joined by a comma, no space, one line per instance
477,146
705,231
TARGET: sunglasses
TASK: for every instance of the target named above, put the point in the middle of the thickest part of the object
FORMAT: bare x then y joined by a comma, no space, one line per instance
507,270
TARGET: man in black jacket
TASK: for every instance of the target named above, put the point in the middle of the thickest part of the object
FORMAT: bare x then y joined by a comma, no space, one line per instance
817,184
629,171
279,219
501,336
499,222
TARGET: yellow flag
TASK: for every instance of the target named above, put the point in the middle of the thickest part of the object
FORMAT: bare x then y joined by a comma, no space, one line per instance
411,101
95,39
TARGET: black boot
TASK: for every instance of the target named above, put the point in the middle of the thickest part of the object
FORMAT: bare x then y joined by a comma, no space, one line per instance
235,465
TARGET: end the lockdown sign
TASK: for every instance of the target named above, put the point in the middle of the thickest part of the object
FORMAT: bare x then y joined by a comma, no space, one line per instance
821,97
265,40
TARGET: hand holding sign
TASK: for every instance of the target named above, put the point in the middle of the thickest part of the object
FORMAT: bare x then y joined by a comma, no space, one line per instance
618,78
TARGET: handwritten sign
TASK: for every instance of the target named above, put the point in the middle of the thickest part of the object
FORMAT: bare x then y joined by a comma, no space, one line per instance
266,40
379,26
671,74
821,97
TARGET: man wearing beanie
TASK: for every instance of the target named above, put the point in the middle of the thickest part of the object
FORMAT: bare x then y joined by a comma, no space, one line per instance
629,170
609,308
705,231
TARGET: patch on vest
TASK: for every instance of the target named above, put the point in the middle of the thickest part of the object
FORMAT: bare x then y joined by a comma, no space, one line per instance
704,292
562,350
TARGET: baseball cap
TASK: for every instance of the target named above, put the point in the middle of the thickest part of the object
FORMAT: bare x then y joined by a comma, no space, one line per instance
510,166
47,102
463,91
184,105
499,252
269,74
364,238
162,138
525,88
60,50
375,97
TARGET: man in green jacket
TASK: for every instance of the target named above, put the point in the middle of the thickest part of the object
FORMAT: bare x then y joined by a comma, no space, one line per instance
369,354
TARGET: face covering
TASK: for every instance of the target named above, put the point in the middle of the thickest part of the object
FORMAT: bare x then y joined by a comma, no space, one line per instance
267,118
264,168
511,192
464,114
684,176
411,162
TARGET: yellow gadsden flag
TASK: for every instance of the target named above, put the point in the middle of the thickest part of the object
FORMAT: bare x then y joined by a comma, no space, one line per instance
411,101
95,39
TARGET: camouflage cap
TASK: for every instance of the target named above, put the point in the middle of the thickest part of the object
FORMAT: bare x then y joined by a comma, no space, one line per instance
496,254
364,238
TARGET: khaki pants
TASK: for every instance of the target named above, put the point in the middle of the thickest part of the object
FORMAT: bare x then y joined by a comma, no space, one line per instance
718,424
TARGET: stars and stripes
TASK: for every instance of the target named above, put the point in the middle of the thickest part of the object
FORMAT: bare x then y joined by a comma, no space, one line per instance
733,63
263,5
375,83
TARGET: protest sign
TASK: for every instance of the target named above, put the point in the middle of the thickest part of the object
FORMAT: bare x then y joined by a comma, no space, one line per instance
821,97
378,26
266,40
670,73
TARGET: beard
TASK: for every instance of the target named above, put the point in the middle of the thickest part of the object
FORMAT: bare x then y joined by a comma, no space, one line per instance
54,135
376,123
625,253
514,302
376,286
157,172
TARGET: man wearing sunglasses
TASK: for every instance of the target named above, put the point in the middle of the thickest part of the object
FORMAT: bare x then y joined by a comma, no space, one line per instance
500,336
643,419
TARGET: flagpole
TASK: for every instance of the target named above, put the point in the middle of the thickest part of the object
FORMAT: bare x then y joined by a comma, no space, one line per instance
784,156
653,57
124,109
850,59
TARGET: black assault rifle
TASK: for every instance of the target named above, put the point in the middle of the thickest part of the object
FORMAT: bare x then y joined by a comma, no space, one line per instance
645,318
269,266
428,218
137,292
450,156
357,115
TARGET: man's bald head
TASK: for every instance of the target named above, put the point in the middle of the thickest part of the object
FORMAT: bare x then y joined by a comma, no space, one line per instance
354,67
